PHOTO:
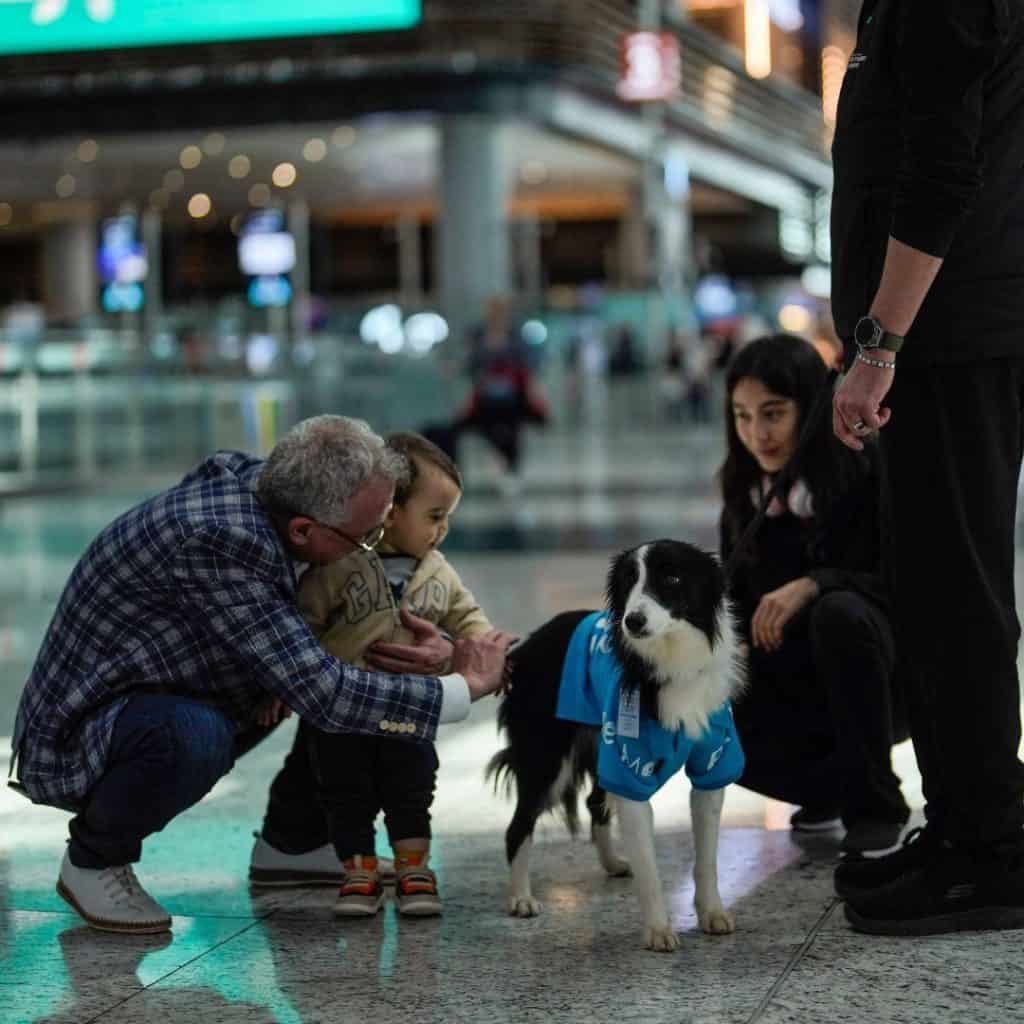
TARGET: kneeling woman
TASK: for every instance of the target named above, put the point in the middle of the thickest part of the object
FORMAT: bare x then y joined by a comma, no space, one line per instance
818,720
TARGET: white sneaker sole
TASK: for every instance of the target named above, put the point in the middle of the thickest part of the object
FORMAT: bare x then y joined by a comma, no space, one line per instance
101,924
283,878
419,908
355,910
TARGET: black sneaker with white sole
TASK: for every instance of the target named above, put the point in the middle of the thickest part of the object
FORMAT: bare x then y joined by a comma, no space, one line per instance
957,889
815,819
870,835
858,875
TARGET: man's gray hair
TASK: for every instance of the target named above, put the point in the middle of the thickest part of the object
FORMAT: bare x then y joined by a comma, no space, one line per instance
321,464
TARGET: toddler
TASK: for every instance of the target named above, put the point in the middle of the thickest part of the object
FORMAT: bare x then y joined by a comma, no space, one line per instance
350,605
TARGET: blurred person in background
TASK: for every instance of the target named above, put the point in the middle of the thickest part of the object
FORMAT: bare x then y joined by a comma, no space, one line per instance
505,395
178,622
821,711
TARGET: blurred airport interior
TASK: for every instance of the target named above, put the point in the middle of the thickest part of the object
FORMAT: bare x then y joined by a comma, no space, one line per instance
217,219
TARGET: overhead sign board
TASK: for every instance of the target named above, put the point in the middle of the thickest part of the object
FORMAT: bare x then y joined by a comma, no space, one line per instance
651,67
48,26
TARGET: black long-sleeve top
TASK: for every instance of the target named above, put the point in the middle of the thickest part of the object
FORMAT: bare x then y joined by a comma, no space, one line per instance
929,148
840,554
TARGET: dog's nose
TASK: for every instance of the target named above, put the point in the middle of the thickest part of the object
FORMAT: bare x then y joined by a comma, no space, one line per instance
636,623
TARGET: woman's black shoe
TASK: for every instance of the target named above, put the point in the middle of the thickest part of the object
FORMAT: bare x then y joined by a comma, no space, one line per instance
870,835
858,876
957,889
815,819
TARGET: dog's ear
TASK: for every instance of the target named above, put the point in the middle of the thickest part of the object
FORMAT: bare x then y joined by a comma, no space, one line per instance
609,583
616,590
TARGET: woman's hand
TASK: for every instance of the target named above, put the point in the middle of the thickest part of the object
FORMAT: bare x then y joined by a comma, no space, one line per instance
428,655
777,608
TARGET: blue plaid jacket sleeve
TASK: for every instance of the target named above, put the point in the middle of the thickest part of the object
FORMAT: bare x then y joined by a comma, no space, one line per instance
227,584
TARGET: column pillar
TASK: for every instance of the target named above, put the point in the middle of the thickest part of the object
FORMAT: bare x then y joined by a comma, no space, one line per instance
152,238
473,243
298,225
410,262
70,277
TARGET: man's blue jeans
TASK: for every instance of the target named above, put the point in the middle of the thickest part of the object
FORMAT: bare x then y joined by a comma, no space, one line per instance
166,754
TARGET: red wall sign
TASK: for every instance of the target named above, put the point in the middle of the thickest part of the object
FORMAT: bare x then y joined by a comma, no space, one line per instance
651,67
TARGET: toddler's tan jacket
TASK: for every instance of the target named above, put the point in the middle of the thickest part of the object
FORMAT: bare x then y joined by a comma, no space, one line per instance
349,604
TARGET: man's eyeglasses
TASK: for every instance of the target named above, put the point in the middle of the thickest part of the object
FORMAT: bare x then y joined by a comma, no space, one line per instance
367,542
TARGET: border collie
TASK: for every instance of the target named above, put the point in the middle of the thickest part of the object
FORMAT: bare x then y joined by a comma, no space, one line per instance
670,652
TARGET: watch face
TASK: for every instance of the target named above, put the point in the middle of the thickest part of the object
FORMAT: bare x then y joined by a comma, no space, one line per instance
868,332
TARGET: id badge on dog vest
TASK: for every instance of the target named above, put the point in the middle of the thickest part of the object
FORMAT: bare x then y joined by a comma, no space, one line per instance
629,715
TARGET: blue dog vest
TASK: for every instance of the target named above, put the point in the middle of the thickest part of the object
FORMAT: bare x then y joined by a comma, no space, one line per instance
637,755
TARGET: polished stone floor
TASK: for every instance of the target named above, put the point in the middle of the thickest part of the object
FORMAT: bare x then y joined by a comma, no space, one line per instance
241,955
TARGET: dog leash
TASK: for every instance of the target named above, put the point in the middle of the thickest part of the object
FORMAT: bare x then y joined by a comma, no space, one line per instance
783,478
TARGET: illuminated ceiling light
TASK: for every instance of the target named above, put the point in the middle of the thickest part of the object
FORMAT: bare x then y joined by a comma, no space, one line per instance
786,14
259,195
817,281
173,181
66,185
88,150
284,175
6,214
533,172
315,150
718,94
213,144
833,70
239,166
199,205
190,157
343,136
757,38
795,318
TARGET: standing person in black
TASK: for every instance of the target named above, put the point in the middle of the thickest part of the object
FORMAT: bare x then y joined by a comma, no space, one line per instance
928,262
817,717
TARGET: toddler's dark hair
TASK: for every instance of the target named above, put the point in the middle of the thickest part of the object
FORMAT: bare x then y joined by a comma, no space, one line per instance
415,447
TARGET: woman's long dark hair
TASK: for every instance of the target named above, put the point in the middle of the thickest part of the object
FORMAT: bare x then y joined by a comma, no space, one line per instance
792,368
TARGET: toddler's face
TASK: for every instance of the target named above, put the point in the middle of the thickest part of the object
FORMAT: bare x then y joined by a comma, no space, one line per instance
421,523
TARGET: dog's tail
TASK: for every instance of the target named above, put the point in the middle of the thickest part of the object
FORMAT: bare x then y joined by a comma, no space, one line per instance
501,769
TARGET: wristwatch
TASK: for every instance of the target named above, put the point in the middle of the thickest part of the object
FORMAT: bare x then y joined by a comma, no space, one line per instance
869,334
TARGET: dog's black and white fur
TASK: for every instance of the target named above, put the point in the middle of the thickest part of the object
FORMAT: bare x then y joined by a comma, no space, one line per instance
675,640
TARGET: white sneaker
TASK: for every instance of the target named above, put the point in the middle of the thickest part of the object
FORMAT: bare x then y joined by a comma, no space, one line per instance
268,866
111,899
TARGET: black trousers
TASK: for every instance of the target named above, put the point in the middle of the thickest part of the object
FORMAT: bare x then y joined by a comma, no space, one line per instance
951,463
820,717
332,786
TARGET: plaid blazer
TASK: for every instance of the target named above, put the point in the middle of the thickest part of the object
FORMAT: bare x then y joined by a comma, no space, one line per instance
191,593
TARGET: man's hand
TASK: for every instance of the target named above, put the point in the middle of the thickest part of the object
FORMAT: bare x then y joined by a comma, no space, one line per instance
481,661
428,655
271,711
857,410
777,608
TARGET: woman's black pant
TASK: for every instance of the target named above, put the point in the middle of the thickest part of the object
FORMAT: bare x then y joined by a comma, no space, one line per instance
819,718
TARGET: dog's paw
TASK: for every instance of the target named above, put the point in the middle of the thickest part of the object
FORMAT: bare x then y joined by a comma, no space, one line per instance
661,939
717,921
523,906
616,867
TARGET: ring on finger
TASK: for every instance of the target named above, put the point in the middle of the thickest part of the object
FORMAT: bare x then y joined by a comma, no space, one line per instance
859,427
